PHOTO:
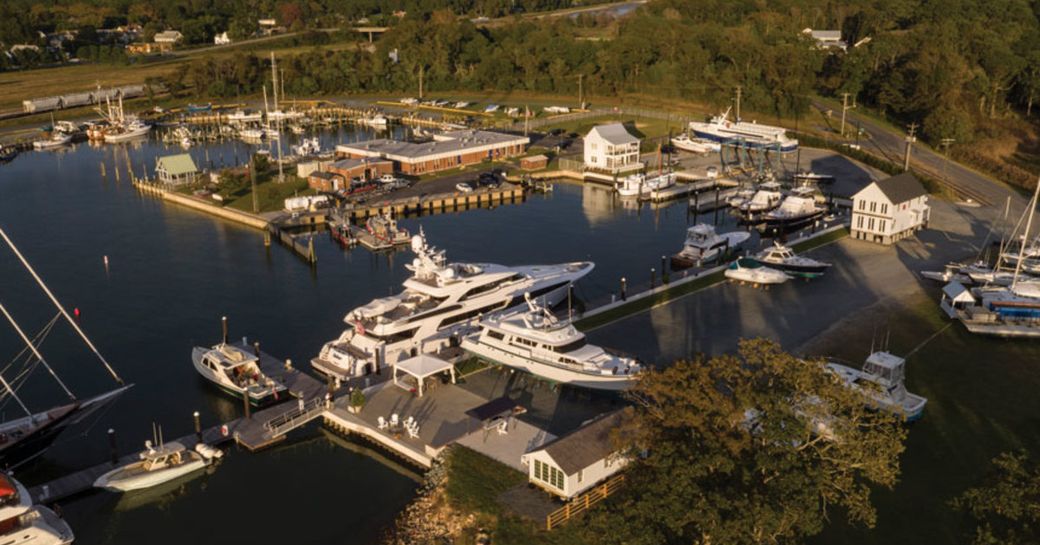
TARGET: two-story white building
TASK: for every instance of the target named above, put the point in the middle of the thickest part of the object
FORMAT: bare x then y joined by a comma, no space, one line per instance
574,463
611,149
890,210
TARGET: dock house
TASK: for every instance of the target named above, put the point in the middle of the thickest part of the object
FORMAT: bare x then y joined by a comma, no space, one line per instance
447,150
611,149
890,210
578,461
176,169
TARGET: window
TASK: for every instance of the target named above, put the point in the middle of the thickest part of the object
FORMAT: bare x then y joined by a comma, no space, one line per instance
495,335
882,227
870,224
873,207
862,204
859,222
548,474
884,208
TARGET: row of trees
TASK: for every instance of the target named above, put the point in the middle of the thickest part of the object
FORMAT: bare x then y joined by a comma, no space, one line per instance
761,448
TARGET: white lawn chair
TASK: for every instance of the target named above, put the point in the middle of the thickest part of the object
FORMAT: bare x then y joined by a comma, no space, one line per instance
382,423
413,431
503,427
408,421
394,421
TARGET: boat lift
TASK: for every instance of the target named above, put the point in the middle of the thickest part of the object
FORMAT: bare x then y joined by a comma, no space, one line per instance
749,158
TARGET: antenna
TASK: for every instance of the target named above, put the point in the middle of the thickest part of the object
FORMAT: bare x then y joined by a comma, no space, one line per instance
61,309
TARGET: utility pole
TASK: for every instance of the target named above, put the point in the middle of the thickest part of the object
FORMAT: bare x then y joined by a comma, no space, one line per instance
946,143
910,139
844,108
527,119
739,91
422,70
252,181
581,92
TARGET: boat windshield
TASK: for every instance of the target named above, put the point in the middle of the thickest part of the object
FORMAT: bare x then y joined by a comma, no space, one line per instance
571,346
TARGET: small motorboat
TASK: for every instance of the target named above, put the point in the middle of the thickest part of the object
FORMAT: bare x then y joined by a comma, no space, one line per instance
797,209
56,140
783,258
158,465
882,380
754,272
704,245
464,187
813,178
695,145
7,153
237,371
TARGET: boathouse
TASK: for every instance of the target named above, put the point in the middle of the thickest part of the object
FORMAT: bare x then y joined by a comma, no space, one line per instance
576,462
451,149
890,210
611,149
176,169
534,162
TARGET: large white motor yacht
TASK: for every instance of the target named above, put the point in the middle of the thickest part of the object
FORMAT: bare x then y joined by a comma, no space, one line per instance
23,522
440,300
704,245
534,340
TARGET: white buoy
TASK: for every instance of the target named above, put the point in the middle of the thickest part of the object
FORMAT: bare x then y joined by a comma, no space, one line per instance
106,261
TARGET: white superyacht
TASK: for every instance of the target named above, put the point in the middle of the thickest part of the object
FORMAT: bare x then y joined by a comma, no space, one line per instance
535,341
440,299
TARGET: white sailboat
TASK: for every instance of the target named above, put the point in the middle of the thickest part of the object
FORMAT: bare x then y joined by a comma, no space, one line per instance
534,340
440,300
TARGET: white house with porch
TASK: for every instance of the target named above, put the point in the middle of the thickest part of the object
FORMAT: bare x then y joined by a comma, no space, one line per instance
890,210
176,169
578,461
611,149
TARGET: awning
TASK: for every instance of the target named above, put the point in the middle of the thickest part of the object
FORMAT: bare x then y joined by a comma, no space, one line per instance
422,366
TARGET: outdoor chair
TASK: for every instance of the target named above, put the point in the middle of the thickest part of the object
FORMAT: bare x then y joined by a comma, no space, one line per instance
381,422
394,421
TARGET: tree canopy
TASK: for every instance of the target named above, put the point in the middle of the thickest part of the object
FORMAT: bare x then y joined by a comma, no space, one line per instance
753,448
1006,507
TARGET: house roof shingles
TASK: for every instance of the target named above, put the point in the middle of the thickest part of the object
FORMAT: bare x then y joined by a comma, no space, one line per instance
615,133
584,446
901,187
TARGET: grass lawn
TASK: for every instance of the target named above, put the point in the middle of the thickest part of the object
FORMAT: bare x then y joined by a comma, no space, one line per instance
474,485
646,127
271,194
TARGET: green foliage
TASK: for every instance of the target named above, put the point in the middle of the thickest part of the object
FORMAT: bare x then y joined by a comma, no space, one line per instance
475,481
1006,509
357,397
755,448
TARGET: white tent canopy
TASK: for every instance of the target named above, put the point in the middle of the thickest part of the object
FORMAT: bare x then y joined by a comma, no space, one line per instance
421,367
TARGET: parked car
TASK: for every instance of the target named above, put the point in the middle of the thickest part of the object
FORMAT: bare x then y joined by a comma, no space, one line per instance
464,187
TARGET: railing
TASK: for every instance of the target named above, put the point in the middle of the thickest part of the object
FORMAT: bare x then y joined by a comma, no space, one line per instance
582,503
288,421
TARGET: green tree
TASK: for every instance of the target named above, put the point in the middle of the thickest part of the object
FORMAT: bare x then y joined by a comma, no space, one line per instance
1006,508
755,448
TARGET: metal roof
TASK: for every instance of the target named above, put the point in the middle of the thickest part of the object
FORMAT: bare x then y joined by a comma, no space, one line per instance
446,144
176,165
586,445
615,133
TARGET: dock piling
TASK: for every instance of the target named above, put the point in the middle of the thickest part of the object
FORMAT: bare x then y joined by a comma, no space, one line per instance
113,452
198,425
245,403
653,276
623,282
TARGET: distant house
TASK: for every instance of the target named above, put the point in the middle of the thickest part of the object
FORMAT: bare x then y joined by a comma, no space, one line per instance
574,463
168,37
176,169
24,47
221,39
890,210
827,39
611,148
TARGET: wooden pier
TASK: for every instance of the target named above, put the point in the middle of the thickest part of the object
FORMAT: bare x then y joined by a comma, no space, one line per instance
439,203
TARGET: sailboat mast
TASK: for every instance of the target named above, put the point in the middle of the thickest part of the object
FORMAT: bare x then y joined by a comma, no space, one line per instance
35,351
61,309
15,396
274,80
1025,237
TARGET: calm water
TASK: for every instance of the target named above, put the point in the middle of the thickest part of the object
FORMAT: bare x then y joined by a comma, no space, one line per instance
173,273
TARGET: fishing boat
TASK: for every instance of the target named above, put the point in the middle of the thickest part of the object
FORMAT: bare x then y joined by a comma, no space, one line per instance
157,465
308,147
375,121
754,272
241,117
534,340
23,522
882,381
695,145
133,128
797,209
440,301
56,140
25,438
236,370
199,108
640,185
742,196
704,245
783,258
720,129
384,232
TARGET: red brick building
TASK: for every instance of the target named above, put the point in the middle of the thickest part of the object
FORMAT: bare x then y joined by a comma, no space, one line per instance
339,174
447,150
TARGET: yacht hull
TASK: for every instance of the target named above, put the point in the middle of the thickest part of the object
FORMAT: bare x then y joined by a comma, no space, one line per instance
549,371
110,481
230,389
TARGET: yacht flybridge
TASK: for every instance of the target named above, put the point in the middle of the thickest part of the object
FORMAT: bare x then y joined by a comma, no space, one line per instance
440,300
534,340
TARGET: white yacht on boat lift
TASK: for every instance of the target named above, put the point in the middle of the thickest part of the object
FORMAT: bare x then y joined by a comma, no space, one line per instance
882,380
23,522
695,145
754,272
781,257
640,185
534,340
440,300
157,465
797,209
722,130
704,245
236,371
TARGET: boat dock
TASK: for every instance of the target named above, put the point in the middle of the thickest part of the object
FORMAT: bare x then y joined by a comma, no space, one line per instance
436,203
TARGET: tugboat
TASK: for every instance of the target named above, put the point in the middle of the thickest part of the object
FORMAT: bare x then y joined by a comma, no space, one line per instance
704,245
384,231
237,372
